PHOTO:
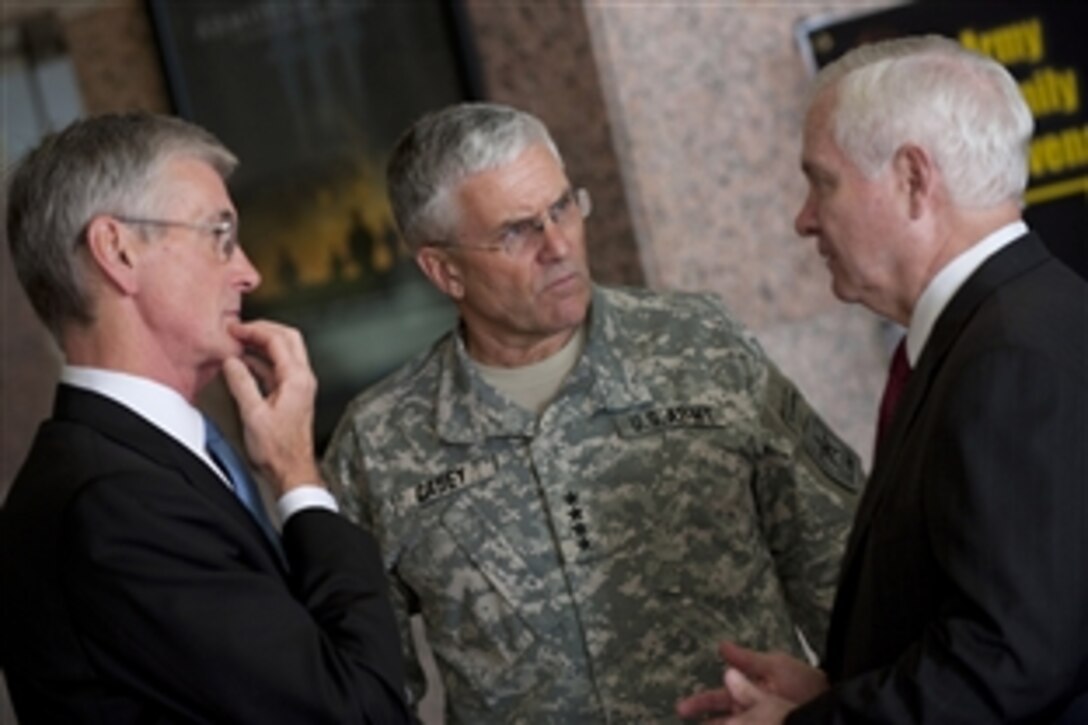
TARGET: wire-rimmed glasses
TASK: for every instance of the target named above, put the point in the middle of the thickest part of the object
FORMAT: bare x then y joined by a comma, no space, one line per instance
223,231
524,237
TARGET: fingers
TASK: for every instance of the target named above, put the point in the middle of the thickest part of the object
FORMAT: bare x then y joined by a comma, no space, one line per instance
741,689
705,704
276,354
747,660
274,388
757,666
273,351
722,701
279,343
242,384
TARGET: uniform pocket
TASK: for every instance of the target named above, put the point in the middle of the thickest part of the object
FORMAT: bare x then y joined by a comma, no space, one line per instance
478,588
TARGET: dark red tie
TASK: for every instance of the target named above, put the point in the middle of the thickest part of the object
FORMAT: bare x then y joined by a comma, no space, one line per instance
898,374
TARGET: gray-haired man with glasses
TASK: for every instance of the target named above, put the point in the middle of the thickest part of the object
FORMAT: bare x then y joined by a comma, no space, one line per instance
580,489
142,579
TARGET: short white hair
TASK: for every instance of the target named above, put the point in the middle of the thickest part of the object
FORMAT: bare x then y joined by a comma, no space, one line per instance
963,108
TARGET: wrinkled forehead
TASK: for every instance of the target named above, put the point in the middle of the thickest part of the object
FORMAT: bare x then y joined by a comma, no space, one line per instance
526,185
187,183
820,115
818,135
532,177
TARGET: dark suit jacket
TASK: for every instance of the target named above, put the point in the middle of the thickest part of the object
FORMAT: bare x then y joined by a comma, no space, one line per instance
136,588
964,590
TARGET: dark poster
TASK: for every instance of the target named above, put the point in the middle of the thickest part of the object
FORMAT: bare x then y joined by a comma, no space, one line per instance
311,95
1043,44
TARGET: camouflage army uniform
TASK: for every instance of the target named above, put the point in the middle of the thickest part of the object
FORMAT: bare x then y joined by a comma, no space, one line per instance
581,566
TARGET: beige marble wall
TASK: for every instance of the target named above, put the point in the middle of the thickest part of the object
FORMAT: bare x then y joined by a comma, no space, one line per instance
706,103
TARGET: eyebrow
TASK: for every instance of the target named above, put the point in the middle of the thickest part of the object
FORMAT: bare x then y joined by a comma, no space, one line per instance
226,215
568,191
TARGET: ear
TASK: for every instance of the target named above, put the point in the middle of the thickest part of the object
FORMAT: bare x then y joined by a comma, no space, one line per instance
442,270
113,250
917,174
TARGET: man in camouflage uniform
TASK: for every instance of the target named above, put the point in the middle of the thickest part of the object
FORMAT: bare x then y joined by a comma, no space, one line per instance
580,489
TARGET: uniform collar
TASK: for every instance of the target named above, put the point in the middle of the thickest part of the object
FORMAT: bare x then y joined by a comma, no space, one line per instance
469,410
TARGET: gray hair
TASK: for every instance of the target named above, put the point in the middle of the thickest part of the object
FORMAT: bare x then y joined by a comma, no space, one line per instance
965,109
98,165
444,147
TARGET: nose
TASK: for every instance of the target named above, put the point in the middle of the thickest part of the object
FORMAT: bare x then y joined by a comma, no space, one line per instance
555,241
248,276
805,223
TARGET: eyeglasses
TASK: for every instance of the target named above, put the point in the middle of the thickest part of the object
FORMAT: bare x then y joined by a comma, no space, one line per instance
224,231
525,237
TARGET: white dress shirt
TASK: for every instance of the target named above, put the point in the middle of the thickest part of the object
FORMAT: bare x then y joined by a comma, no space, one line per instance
167,410
940,290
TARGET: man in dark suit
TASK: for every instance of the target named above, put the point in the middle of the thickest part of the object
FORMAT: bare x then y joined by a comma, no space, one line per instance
141,580
964,590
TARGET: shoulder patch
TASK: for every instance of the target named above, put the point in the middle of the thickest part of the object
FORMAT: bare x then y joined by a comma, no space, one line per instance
831,454
786,403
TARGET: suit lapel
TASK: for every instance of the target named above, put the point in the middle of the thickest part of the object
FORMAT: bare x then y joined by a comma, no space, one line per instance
128,429
1015,259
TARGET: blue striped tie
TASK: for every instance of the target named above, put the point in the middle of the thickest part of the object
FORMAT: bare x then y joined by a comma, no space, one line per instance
243,484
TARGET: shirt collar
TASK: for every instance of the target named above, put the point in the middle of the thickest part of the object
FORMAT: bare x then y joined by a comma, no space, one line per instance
158,404
939,292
